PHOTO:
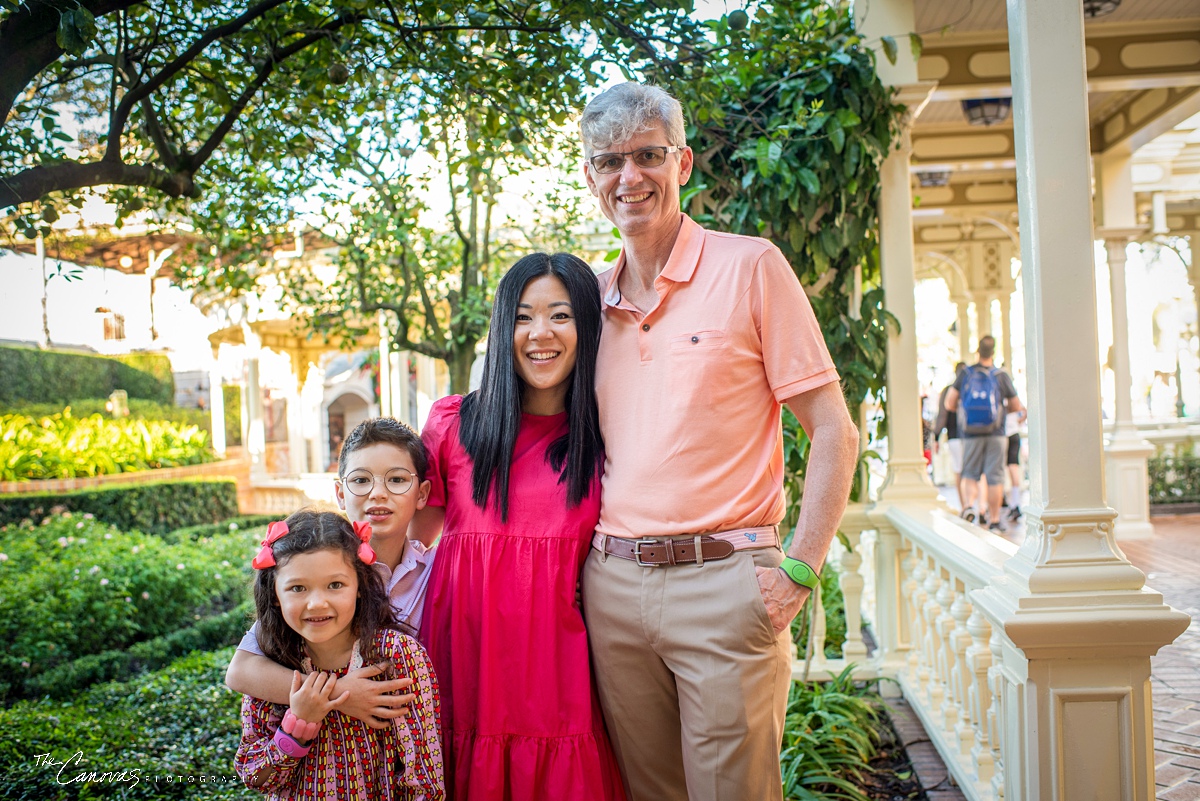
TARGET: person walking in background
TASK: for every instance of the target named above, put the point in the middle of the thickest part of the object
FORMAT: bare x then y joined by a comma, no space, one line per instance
948,421
1012,428
980,396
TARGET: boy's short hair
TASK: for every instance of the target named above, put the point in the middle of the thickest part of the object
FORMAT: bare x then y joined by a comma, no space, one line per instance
987,346
390,431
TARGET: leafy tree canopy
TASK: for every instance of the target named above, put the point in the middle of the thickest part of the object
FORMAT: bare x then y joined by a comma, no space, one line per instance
164,102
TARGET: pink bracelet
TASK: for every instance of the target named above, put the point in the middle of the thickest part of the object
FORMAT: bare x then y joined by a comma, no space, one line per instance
298,727
288,745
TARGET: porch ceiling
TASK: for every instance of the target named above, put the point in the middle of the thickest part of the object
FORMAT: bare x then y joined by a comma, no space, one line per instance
1143,98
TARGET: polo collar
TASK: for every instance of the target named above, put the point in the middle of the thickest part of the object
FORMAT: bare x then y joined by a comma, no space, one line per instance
680,266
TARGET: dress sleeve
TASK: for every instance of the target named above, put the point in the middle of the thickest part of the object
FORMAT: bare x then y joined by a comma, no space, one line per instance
439,437
259,762
419,732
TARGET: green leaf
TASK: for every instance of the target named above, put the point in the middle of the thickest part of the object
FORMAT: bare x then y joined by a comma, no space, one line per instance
889,48
917,44
76,29
808,179
837,135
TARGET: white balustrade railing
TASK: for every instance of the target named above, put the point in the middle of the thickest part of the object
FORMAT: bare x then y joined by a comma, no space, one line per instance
910,572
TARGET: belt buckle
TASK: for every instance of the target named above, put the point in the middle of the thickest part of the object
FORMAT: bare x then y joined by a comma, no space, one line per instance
637,551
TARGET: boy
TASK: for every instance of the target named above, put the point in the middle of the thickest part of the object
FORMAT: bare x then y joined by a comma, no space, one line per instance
381,480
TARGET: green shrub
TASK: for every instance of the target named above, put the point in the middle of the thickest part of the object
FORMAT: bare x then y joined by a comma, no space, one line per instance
180,722
209,634
63,446
41,376
154,507
138,410
832,731
1174,478
193,533
73,586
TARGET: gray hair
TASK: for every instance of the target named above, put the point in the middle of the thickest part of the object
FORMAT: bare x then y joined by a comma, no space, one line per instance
618,114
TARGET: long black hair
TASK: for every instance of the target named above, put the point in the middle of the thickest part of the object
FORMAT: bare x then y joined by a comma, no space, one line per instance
310,531
491,416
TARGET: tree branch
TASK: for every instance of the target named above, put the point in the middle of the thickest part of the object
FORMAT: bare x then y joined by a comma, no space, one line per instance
121,114
28,44
31,184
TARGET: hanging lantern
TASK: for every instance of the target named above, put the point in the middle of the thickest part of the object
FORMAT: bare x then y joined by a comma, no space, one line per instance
987,111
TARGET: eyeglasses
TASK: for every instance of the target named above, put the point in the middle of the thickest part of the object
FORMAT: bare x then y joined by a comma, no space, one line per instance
646,157
360,482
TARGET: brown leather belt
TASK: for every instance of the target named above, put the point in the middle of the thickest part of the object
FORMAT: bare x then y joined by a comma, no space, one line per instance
658,553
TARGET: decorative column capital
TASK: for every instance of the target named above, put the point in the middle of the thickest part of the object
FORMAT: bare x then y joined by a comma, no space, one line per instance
1121,234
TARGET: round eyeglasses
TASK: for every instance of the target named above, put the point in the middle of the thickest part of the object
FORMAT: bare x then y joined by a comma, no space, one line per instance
398,481
645,158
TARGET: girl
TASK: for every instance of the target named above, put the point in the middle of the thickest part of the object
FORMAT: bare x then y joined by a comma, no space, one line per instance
514,472
322,611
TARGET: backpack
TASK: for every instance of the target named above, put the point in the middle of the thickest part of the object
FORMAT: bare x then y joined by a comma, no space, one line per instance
981,407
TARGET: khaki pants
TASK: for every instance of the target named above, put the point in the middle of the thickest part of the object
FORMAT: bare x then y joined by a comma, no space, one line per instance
692,678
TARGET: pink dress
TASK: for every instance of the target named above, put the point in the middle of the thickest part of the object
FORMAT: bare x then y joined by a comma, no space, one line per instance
520,716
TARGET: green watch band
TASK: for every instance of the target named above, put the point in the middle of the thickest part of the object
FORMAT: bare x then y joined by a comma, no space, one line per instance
800,572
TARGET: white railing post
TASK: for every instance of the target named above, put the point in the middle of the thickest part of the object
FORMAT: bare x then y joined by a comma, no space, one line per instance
853,649
979,698
960,640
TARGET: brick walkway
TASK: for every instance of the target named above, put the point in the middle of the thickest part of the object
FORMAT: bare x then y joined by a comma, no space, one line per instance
1171,562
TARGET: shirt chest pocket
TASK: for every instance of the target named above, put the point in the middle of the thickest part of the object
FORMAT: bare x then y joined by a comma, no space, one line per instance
697,341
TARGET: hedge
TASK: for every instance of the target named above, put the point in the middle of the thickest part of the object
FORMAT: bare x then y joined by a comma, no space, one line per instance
154,507
1174,478
40,376
173,733
209,634
72,587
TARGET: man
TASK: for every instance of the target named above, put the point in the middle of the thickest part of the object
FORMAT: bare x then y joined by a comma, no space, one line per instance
984,443
685,593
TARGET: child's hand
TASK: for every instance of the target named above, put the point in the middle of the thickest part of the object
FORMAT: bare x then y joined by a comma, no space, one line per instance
373,702
312,697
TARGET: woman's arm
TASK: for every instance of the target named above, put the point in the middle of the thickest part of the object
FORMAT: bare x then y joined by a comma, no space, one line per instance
426,525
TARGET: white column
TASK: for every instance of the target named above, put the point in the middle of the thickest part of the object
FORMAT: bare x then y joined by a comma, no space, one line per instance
254,434
1075,688
908,476
297,449
386,398
964,329
1128,479
1006,332
983,318
216,407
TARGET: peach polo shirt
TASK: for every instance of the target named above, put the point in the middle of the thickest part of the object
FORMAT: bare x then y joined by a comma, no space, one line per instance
690,392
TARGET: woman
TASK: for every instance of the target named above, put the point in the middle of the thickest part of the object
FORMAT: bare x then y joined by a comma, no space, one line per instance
515,477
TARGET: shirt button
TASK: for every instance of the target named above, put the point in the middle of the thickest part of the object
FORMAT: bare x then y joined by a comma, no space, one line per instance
646,327
695,339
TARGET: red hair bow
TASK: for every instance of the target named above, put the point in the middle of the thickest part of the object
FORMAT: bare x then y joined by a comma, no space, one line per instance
266,557
365,552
